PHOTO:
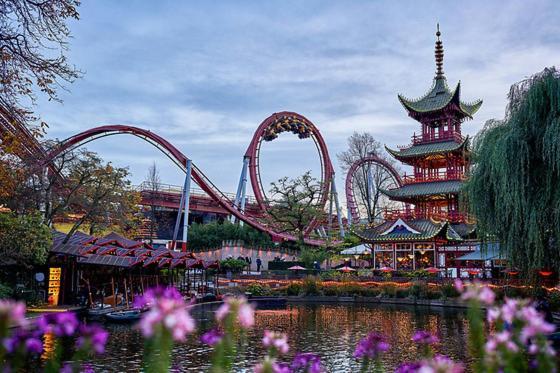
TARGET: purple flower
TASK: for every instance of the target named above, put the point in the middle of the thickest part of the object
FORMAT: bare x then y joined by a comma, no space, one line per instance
168,311
408,367
92,336
62,324
212,337
34,346
309,362
25,341
438,364
371,346
278,341
424,337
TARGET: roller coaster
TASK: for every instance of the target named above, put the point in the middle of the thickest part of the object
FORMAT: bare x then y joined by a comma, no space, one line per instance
268,130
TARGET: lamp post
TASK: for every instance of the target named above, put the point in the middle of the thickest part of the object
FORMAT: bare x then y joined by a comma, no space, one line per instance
357,256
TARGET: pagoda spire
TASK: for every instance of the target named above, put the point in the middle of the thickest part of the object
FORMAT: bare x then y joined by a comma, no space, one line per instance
439,55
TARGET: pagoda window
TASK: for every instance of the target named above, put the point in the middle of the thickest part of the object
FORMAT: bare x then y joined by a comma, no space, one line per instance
384,259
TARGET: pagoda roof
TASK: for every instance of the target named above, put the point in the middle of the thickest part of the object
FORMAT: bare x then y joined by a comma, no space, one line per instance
422,229
428,149
439,97
424,189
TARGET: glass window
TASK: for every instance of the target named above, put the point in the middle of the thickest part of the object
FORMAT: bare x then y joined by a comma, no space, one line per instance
384,259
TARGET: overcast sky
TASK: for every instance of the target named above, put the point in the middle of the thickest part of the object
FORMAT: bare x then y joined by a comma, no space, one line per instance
204,74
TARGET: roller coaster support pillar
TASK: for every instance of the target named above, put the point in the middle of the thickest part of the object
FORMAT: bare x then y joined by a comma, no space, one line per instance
338,212
187,192
183,205
370,189
240,196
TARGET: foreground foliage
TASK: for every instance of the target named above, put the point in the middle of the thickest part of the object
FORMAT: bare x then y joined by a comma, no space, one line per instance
515,342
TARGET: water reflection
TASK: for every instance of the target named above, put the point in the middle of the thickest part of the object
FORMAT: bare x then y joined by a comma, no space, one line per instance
329,330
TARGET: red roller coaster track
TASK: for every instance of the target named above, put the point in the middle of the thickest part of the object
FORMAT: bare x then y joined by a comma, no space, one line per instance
268,130
349,188
276,123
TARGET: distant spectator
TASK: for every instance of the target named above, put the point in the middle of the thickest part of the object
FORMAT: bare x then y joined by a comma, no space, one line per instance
259,263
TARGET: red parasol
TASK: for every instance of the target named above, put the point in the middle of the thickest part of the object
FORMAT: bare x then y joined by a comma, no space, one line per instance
432,270
386,269
346,269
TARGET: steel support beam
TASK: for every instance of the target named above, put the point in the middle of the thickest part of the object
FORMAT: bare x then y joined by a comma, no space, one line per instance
240,195
338,212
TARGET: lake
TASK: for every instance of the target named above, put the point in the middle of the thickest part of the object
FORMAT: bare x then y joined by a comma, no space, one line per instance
331,330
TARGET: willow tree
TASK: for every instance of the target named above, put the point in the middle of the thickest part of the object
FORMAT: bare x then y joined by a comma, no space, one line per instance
514,187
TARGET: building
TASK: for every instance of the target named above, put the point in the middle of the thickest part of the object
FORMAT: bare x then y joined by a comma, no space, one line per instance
432,229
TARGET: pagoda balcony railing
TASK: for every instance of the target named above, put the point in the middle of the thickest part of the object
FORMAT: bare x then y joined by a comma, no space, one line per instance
439,176
437,137
409,213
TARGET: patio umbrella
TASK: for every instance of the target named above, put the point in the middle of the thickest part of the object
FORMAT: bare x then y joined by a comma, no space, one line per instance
432,270
346,269
296,268
511,271
386,269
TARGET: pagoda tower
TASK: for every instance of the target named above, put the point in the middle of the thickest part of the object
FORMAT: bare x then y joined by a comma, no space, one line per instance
439,155
423,233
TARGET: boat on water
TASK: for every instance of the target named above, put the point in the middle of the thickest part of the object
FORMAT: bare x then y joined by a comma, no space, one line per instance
124,315
100,310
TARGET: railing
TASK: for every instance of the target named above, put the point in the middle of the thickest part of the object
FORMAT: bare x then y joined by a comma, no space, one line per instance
438,176
146,186
452,216
436,137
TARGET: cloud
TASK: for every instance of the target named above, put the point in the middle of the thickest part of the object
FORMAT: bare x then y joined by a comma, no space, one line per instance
204,75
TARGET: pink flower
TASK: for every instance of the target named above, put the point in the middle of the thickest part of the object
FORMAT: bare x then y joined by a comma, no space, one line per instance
12,313
246,315
477,291
277,341
222,311
238,306
534,324
273,365
168,311
459,285
493,315
486,296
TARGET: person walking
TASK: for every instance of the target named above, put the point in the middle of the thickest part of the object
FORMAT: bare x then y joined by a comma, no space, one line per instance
259,263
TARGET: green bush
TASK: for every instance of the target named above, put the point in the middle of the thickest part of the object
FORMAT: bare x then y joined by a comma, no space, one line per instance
330,291
258,289
388,290
433,294
310,286
448,290
233,265
5,291
418,290
370,292
554,300
402,293
293,289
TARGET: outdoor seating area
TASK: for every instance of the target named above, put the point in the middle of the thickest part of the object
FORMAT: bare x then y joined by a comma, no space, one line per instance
88,269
